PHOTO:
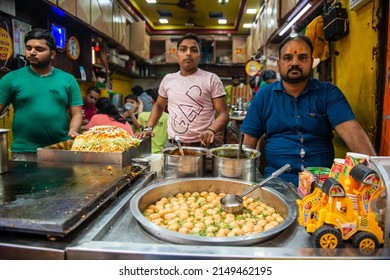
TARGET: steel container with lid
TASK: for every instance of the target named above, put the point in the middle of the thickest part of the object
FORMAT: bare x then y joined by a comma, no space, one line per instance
191,164
227,164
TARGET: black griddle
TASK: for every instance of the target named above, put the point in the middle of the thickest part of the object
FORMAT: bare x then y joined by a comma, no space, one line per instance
53,198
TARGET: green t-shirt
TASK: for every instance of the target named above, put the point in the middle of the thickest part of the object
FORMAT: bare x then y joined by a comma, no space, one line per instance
160,130
41,107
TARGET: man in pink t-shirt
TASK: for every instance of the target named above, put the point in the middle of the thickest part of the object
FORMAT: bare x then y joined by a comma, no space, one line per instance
195,99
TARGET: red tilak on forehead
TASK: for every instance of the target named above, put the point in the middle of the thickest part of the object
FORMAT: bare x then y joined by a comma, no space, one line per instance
295,51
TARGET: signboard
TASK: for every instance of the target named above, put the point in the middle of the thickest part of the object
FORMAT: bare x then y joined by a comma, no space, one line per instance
19,29
5,44
8,6
252,67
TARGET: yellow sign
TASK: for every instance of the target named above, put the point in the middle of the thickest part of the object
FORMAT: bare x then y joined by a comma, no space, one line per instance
252,67
6,47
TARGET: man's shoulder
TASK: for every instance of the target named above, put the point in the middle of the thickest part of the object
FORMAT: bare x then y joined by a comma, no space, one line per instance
20,71
62,72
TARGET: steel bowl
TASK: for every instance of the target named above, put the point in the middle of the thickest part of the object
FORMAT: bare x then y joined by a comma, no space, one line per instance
191,164
227,164
150,195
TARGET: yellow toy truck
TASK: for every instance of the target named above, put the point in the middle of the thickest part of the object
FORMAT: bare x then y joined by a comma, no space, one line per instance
334,213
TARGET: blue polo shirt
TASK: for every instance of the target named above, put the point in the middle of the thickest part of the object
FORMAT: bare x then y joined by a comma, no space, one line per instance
298,131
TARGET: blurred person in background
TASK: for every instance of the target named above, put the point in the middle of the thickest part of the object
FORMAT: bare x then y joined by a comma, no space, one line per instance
269,77
160,130
88,108
144,97
228,88
131,110
108,114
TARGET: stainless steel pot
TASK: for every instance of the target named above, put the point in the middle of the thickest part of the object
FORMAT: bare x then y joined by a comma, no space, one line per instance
4,150
142,199
227,164
191,164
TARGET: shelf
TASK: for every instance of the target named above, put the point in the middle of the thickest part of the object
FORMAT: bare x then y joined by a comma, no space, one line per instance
120,70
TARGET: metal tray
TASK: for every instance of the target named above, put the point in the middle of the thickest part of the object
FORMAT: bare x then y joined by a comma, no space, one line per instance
60,152
283,205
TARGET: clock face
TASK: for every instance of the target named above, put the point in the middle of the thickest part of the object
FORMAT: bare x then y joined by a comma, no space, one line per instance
73,48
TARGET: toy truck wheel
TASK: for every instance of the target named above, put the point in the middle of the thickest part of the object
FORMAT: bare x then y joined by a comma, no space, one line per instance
327,237
365,241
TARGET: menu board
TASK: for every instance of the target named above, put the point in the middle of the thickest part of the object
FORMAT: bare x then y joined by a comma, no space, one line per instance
19,29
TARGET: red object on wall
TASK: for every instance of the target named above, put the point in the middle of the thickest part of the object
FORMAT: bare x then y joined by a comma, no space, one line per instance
385,136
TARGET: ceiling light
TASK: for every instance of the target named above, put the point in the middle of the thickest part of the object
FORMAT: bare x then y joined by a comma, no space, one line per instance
163,20
298,16
251,11
223,2
151,1
247,25
222,21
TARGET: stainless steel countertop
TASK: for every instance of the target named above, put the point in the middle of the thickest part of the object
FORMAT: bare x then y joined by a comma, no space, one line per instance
117,235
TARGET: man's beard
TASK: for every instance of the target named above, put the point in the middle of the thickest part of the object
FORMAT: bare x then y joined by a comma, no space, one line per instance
40,63
294,79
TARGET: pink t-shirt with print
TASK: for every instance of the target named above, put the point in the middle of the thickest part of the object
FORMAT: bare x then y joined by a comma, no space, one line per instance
190,103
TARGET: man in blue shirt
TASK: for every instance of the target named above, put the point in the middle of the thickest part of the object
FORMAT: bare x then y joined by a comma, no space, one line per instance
297,115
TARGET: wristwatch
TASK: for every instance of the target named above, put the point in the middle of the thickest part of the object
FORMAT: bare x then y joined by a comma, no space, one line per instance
148,128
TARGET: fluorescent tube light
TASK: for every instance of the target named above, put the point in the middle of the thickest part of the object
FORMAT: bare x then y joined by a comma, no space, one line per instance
222,21
151,1
251,11
294,20
247,25
163,20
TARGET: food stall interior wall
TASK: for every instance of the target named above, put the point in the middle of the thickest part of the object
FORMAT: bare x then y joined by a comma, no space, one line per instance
354,69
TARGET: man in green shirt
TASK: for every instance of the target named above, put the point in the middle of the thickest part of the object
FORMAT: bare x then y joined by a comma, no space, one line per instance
46,100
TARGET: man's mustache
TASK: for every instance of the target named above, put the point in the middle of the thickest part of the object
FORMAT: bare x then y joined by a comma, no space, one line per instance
295,68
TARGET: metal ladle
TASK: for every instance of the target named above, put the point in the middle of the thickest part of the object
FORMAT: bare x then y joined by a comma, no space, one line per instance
239,146
177,139
233,203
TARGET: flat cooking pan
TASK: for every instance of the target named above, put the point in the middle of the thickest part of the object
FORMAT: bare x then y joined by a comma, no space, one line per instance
142,199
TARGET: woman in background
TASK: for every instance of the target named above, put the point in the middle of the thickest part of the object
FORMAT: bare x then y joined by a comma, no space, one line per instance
107,114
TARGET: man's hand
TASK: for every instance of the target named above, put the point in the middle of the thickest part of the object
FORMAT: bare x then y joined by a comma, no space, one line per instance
72,134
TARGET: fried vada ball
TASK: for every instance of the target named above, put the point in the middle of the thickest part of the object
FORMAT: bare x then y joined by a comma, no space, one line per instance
183,215
179,195
279,219
170,216
247,228
262,222
157,221
188,225
204,193
184,230
222,232
174,227
258,228
235,232
269,218
154,216
270,225
199,225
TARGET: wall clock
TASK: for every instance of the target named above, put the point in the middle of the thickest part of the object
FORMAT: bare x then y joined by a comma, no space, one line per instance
73,48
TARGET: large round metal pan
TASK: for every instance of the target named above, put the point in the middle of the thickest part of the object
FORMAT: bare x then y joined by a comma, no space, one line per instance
142,199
